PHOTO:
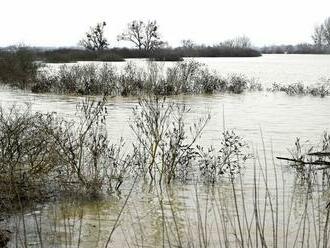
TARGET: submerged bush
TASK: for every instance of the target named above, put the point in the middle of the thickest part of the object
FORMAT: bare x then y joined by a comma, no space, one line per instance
188,77
309,159
78,79
86,150
27,156
18,68
42,155
166,150
225,161
321,89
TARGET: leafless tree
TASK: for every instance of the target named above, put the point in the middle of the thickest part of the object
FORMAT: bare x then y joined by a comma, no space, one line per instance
144,36
95,39
238,42
326,31
243,41
188,43
318,36
321,35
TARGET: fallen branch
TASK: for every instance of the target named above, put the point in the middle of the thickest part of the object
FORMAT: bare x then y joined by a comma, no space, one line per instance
319,154
303,162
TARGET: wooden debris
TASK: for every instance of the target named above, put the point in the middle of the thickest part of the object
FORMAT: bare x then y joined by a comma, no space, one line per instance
317,162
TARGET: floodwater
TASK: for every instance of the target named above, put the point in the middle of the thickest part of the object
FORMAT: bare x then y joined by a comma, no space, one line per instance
268,121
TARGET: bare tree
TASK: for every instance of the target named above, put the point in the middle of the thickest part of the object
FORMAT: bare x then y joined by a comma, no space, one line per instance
238,42
317,36
144,36
243,41
326,31
321,35
95,39
188,44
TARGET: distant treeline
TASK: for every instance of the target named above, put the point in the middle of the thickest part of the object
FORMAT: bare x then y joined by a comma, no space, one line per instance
304,48
66,55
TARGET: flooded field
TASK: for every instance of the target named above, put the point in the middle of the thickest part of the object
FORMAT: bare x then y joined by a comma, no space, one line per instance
267,205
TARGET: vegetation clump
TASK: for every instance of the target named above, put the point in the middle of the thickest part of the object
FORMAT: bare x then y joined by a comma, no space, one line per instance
227,160
42,155
67,55
164,149
18,68
320,89
308,159
188,77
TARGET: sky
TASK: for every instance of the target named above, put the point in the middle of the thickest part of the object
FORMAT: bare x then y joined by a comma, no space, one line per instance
62,23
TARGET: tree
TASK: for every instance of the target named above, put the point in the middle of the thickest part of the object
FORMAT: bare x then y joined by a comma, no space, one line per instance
95,39
318,36
326,31
144,36
238,42
243,42
188,44
321,35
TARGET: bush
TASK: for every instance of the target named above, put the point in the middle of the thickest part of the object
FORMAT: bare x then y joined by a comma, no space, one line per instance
163,150
188,77
78,79
320,89
18,68
42,155
227,161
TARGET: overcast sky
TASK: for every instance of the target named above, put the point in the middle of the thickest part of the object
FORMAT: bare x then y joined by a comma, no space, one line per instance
63,22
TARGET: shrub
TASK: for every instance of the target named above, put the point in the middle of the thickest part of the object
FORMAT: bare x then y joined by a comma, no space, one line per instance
309,159
188,77
78,79
163,149
42,155
227,161
18,68
27,154
321,89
